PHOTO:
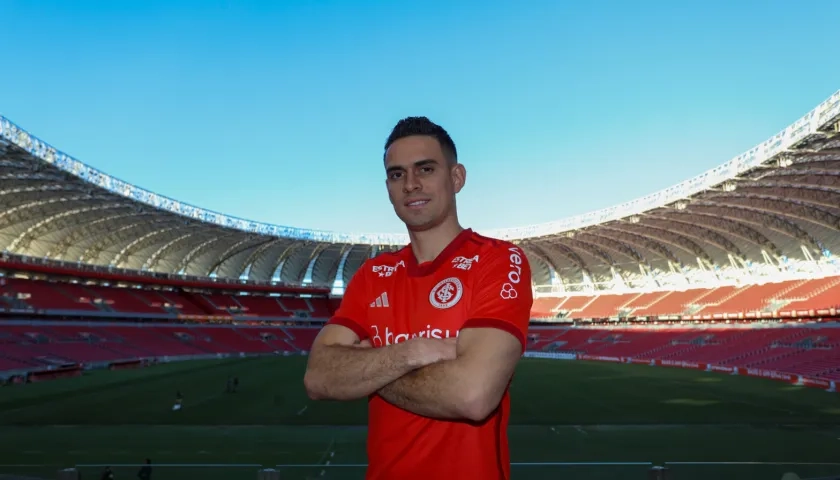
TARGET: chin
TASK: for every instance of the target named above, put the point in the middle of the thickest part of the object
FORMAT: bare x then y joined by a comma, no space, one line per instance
419,221
420,225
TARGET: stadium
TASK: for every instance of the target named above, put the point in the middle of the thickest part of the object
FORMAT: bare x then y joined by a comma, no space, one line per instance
691,333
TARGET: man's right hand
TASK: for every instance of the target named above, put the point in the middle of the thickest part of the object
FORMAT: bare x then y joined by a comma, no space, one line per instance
426,351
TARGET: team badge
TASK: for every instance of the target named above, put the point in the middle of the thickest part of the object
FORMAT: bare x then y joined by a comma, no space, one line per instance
446,293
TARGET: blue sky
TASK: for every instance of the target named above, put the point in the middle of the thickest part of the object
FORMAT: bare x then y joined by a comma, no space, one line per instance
277,111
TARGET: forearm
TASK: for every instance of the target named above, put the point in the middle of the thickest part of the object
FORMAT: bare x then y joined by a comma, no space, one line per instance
440,390
340,372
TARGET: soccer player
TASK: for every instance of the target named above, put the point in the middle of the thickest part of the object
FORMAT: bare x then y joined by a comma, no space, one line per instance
431,334
107,474
179,400
145,472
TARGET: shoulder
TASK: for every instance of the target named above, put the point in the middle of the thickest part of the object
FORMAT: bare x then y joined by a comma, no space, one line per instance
495,260
498,250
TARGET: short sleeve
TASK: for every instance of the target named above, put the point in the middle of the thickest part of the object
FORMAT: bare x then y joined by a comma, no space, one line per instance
353,309
501,294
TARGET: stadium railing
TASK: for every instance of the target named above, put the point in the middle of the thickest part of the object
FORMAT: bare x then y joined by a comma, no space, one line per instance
753,470
529,470
519,471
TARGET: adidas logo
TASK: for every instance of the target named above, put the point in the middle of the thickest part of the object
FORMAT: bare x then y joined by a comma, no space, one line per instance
381,301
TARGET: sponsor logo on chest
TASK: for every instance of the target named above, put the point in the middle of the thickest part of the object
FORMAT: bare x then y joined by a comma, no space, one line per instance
384,336
444,295
387,270
464,263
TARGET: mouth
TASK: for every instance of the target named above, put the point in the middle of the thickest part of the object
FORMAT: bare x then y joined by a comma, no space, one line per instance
416,203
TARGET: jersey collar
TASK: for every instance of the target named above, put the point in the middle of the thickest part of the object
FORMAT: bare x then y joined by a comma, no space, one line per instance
427,268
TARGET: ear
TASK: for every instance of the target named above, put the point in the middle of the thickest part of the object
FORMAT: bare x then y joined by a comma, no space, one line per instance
459,176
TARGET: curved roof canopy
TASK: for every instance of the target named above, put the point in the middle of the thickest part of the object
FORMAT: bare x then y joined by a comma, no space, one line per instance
773,208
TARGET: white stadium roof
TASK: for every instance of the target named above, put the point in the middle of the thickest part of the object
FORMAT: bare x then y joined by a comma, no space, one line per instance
771,211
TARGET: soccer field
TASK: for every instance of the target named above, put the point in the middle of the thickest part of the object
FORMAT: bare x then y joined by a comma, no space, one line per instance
563,411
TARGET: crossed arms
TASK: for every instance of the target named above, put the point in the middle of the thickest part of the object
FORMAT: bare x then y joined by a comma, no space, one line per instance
445,379
467,387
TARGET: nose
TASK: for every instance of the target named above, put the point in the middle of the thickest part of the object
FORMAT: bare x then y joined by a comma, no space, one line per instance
411,183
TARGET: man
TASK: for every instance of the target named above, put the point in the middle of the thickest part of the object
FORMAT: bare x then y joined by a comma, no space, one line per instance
145,472
179,400
107,474
446,318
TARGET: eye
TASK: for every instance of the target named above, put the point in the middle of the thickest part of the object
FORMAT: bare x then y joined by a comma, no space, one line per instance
427,170
394,175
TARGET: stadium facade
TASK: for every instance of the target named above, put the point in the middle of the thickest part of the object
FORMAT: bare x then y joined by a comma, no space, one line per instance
769,214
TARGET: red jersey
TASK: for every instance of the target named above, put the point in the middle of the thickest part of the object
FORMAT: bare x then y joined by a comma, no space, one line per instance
475,282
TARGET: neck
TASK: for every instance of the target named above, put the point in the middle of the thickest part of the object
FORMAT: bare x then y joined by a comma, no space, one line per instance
427,244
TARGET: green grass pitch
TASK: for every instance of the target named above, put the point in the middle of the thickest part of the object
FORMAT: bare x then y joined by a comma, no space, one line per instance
563,411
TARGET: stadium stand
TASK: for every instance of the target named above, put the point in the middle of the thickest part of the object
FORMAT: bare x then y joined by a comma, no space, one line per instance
730,271
54,298
93,326
794,298
793,349
810,350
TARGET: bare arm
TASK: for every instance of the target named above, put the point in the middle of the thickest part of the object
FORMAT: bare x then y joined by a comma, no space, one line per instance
489,346
340,369
469,387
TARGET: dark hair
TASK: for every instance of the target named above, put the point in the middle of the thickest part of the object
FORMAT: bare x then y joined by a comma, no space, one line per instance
411,126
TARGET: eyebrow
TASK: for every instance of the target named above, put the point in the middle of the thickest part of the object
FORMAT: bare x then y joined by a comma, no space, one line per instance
419,163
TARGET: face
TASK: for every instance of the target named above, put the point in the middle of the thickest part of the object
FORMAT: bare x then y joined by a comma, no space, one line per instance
421,183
